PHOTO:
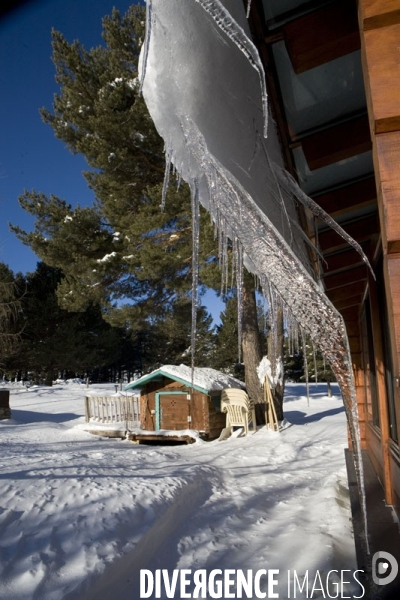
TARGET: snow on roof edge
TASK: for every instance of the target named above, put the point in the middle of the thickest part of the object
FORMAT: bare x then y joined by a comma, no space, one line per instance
205,379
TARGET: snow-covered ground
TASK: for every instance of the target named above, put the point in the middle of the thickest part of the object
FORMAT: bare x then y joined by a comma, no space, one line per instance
80,515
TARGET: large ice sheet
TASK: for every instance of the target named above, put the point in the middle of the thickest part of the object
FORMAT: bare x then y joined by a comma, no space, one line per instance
203,86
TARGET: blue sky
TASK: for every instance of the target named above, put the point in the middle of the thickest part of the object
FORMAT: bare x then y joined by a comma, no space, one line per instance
30,156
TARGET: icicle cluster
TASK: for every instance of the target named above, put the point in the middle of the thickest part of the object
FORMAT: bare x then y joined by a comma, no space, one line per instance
194,189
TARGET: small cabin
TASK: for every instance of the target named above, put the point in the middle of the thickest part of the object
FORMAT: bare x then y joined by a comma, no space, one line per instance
169,400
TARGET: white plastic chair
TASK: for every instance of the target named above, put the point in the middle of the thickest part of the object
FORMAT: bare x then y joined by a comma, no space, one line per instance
239,409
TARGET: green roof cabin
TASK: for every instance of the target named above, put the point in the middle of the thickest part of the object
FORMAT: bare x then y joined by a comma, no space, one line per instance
169,402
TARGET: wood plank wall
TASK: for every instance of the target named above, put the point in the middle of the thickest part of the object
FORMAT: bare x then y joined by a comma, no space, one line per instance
205,417
379,22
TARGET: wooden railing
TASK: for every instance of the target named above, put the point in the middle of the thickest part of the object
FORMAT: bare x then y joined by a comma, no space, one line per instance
110,409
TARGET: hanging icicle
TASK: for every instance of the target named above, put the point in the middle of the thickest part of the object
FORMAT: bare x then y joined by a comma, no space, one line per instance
315,363
303,341
146,44
248,9
195,267
168,160
239,287
290,183
236,34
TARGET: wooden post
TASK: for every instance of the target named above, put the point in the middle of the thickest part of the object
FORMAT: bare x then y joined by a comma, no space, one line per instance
87,410
270,415
381,390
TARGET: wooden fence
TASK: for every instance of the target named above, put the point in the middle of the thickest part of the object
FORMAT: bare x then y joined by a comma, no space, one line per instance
113,409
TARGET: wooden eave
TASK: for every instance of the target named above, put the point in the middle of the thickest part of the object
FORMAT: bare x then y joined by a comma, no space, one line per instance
347,199
347,277
337,143
361,230
322,35
314,35
344,259
347,291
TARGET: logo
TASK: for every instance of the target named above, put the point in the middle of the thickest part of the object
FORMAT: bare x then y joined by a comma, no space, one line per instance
384,568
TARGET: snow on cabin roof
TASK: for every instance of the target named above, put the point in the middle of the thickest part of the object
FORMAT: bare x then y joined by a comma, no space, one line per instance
204,380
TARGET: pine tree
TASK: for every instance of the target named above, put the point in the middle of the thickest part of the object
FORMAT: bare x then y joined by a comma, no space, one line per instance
293,364
318,369
172,336
124,249
54,340
226,347
9,311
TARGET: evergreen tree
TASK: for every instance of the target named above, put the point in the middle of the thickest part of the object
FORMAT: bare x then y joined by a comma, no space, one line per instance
54,340
9,312
124,249
226,346
172,336
318,370
293,364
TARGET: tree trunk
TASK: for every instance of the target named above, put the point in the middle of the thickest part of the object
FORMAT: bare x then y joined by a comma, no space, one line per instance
329,389
48,378
275,354
251,347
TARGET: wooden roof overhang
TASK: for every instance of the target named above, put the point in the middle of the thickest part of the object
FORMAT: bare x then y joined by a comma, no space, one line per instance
159,375
325,135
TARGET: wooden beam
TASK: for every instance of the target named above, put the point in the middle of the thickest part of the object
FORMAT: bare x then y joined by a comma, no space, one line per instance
392,284
345,278
351,197
381,389
350,316
387,161
346,291
337,143
379,13
381,67
350,302
340,261
360,231
323,35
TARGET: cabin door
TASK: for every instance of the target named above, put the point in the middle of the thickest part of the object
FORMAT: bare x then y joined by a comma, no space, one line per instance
172,410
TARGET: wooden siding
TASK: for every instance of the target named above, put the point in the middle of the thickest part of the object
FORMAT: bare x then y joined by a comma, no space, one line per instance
379,22
387,161
322,35
176,408
395,470
174,411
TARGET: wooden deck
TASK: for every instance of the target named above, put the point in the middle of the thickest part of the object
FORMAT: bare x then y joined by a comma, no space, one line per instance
141,438
113,409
